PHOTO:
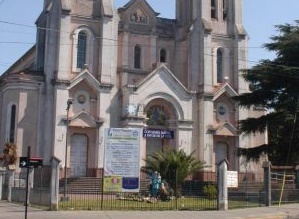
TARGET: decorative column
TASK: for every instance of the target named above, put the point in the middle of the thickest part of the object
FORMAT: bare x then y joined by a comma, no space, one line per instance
10,184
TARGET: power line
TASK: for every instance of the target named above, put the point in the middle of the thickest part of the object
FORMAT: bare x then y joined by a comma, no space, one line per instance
15,42
17,24
146,45
14,31
110,39
69,32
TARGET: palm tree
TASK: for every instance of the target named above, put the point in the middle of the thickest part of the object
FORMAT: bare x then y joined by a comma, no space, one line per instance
174,166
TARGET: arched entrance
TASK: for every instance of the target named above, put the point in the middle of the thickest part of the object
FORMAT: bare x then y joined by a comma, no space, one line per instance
78,160
161,119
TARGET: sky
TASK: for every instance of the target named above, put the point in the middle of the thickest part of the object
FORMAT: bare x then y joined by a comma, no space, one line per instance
18,32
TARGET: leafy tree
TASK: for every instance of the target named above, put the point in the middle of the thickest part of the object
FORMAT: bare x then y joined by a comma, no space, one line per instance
174,166
274,86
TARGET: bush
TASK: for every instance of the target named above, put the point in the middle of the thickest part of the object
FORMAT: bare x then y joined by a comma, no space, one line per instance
210,191
10,154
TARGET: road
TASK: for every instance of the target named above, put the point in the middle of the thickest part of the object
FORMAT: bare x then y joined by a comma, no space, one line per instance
16,211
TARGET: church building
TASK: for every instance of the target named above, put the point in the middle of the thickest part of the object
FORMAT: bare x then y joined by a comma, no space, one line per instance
95,67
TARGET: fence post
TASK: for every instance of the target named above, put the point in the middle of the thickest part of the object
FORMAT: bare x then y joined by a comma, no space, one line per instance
10,184
55,183
267,182
297,176
2,170
222,186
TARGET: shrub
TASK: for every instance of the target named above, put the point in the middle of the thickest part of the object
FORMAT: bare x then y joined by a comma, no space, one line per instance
10,154
210,191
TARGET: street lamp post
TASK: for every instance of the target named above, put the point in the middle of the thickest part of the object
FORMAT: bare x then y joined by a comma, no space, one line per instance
69,102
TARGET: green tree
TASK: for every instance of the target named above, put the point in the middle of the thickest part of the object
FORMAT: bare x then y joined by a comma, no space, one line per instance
174,166
274,86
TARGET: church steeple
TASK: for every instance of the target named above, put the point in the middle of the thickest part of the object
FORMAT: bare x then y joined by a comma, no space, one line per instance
212,11
217,23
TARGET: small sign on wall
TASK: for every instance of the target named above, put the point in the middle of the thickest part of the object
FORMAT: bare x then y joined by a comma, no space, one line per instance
232,179
158,133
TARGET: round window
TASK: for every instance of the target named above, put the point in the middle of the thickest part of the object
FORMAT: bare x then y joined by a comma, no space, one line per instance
81,99
221,110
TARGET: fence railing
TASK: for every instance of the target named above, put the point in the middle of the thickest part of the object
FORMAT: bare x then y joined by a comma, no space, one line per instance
194,195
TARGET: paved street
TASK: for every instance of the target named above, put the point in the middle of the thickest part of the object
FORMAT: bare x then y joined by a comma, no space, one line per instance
15,211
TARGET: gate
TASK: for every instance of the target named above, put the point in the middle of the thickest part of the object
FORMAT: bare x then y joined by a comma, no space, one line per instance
284,185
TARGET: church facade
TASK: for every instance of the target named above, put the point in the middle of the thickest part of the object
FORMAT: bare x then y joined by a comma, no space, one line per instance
95,67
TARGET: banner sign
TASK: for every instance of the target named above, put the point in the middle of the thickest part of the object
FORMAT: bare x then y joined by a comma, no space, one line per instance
158,133
122,160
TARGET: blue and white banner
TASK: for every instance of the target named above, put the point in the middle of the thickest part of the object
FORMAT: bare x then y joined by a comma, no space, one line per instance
158,133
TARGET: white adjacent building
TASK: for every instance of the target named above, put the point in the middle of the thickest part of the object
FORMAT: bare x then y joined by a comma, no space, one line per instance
129,68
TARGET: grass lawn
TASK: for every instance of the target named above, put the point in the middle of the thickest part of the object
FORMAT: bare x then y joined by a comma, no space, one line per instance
137,204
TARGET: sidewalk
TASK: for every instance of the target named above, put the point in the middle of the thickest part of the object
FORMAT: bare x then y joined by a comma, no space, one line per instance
15,211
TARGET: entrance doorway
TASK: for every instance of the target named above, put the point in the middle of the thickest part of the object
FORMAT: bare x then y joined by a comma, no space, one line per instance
153,145
161,116
78,152
221,152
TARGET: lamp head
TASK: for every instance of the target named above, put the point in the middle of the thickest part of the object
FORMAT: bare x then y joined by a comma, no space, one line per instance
68,103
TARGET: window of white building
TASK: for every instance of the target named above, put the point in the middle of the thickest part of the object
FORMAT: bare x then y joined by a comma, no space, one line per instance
163,56
219,66
137,57
224,10
11,122
214,9
81,52
83,48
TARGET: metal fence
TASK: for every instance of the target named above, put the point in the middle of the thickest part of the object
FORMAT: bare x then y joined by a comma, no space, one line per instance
86,194
250,192
284,188
14,188
192,197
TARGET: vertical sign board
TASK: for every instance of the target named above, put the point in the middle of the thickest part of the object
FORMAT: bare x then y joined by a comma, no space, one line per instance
232,179
122,160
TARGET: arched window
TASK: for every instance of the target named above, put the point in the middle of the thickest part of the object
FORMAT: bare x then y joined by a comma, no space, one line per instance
137,57
12,125
163,56
219,66
83,49
213,9
224,5
81,52
156,116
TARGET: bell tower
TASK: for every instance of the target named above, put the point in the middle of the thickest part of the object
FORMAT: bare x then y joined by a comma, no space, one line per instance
207,28
213,48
